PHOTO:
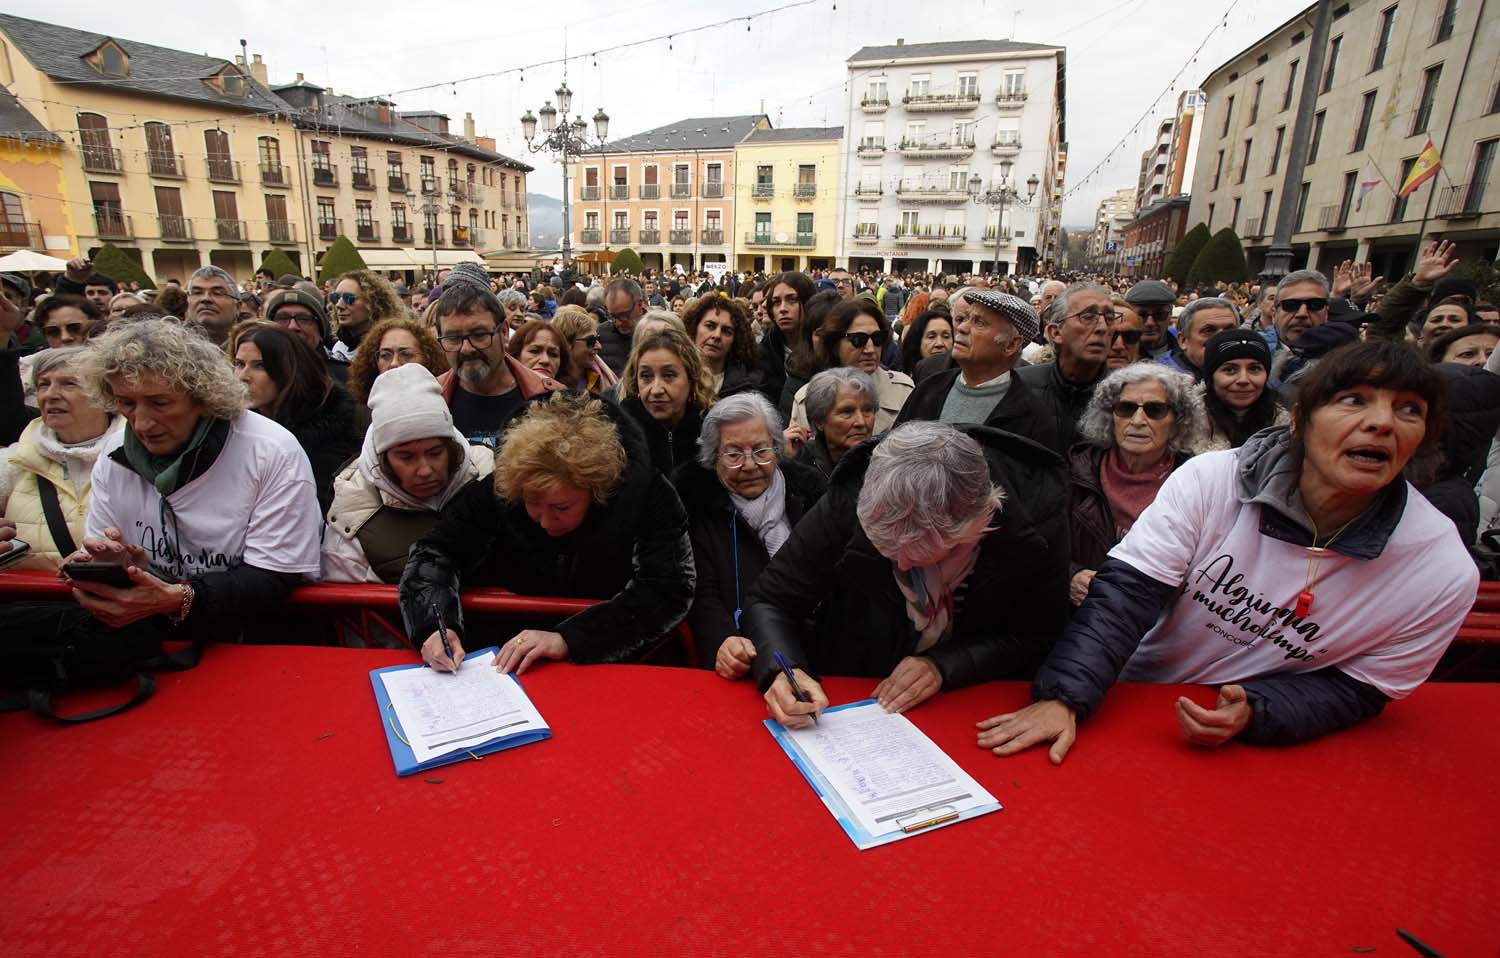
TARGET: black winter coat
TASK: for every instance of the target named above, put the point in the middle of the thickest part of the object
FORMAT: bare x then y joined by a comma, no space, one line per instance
1064,398
633,552
715,527
771,360
1015,601
1091,521
1470,425
1019,411
330,438
672,447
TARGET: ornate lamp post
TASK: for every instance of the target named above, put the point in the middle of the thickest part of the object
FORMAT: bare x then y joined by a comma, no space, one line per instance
999,196
567,140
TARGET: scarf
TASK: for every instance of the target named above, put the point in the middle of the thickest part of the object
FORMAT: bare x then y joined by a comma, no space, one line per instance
766,514
164,472
1127,493
929,593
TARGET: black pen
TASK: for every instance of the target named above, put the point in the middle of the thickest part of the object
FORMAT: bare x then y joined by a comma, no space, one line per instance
786,669
443,632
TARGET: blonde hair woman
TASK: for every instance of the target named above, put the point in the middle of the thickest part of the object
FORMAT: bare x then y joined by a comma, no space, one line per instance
667,391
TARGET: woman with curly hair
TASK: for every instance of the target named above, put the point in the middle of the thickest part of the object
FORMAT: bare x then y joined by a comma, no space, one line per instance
394,342
575,509
720,328
666,391
360,300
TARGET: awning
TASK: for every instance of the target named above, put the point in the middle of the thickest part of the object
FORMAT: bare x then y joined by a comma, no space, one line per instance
387,258
26,261
403,258
598,256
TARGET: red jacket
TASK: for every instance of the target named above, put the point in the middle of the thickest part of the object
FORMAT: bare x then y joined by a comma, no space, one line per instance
529,381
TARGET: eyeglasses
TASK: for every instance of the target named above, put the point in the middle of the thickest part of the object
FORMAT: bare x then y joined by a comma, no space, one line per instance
76,330
1130,337
1154,410
391,355
1091,316
860,340
1314,305
736,458
624,316
479,339
591,341
284,318
347,299
1153,312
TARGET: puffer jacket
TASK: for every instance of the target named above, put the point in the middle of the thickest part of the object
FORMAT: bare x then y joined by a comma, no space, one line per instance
1472,420
1013,604
633,552
1065,398
39,456
669,446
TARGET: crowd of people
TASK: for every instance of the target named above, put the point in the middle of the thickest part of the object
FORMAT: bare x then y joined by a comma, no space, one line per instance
933,481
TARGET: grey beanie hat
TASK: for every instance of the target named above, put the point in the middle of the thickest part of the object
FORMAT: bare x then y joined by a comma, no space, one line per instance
1013,308
472,274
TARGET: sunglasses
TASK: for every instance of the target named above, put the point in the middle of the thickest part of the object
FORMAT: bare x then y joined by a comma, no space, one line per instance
1315,305
1131,337
591,341
860,340
75,330
1125,409
346,298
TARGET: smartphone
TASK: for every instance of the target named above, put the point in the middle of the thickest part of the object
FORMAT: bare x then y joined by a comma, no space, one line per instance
15,553
103,573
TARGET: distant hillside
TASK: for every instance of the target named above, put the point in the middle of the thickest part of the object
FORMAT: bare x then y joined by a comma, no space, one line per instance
545,213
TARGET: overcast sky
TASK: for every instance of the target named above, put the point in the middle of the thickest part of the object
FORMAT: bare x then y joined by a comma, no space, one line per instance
1121,54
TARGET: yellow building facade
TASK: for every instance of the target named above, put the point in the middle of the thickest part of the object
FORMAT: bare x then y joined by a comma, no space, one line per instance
34,212
787,199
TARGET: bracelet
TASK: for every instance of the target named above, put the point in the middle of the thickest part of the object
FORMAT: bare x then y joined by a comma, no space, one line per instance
187,603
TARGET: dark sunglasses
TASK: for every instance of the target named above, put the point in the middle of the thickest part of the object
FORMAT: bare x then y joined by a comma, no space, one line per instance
1316,305
591,341
346,298
1154,410
859,340
1131,337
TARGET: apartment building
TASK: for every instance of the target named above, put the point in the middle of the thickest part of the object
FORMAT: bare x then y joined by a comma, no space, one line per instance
34,213
931,124
786,189
1394,75
1113,215
667,193
1161,205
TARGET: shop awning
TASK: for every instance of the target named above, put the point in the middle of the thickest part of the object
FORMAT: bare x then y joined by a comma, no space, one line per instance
387,258
404,258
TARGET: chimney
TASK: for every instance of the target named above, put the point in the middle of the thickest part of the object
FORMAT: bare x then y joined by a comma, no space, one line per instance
301,78
258,70
485,143
900,41
383,114
469,127
443,125
239,59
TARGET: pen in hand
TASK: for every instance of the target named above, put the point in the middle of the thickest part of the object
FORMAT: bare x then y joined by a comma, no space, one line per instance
443,632
786,669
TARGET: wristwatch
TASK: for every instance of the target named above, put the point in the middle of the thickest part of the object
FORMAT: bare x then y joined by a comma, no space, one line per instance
187,603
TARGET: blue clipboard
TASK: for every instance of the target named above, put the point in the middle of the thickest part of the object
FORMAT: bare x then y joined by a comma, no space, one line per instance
401,753
861,837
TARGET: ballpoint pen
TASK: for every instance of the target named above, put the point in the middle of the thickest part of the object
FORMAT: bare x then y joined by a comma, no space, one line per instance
443,632
786,669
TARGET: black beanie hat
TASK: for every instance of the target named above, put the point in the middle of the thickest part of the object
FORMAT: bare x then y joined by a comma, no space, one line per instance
1232,344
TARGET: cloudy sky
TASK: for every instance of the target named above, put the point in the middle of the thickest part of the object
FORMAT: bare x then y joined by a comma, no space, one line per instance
1121,55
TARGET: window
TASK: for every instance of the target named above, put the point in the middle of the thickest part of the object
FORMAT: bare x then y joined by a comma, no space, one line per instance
591,176
1245,162
327,219
1317,136
622,219
1398,208
804,228
910,221
320,155
232,83
268,150
1228,115
398,218
916,131
393,167
1424,102
968,84
429,172
921,84
1218,169
591,221
1276,150
220,159
963,132
1346,198
1209,220
1494,99
713,220
1015,83
94,139
1479,180
1445,21
364,220
1265,215
1234,214
1366,113
359,165
276,219
1333,62
762,226
174,226
1255,102
1291,85
112,61
13,231
765,180
875,92
160,156
1301,206
807,179
619,176
714,173
958,179
227,217
1383,38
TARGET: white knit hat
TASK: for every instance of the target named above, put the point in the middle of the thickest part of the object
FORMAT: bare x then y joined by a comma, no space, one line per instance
406,403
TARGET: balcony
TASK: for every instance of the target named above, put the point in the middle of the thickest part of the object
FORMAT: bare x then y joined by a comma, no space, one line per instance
712,237
102,159
619,191
166,165
931,236
397,182
274,174
870,146
990,234
680,237
432,236
1252,229
401,233
682,191
868,192
1011,100
330,229
875,105
112,224
936,147
476,191
798,240
231,231
589,194
367,232
429,185
650,237
283,232
805,191
1461,201
619,237
476,237
1007,146
325,175
461,236
175,229
18,235
763,191
222,168
940,102
933,193
713,190
866,233
590,237
651,191
361,179
1333,217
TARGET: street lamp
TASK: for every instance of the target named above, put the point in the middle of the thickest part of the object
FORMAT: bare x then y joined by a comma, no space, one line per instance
999,196
565,139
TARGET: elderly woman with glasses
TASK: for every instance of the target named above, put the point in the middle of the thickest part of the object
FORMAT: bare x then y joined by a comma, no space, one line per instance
937,559
1141,424
1279,573
743,500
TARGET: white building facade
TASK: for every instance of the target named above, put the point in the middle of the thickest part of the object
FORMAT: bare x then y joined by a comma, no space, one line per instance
923,121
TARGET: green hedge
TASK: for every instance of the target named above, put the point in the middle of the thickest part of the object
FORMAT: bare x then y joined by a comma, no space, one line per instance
113,263
1180,263
340,259
1222,260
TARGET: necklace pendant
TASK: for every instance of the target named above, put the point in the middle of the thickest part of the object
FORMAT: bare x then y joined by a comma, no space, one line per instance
1304,604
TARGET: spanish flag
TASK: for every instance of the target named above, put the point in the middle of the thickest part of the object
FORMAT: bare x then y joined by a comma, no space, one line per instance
1423,169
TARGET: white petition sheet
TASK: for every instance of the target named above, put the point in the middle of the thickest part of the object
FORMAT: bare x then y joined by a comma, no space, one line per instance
884,769
446,712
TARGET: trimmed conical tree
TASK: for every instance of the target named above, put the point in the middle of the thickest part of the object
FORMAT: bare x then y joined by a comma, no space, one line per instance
1180,263
279,263
1222,260
111,262
627,260
340,259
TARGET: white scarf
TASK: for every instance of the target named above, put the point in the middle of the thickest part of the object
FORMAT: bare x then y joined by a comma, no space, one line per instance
77,459
929,593
766,513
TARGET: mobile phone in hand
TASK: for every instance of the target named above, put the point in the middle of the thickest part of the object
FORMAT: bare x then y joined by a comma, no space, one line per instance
101,573
15,553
